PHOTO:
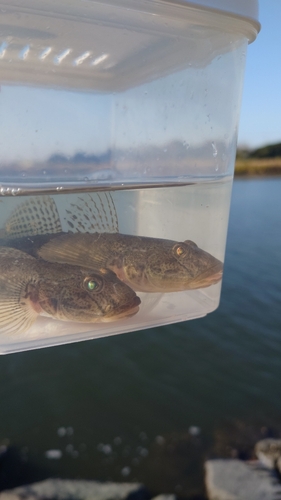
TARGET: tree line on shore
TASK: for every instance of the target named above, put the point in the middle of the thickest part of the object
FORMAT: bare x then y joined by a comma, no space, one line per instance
268,151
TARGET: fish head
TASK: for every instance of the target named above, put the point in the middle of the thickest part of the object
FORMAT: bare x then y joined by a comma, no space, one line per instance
86,296
169,266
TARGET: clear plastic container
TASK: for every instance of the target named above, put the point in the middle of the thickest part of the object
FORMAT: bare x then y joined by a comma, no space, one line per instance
118,139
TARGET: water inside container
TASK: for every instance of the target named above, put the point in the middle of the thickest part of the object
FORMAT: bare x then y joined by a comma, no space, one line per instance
163,248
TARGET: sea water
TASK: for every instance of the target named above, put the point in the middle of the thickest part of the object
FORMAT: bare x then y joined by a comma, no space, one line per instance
197,211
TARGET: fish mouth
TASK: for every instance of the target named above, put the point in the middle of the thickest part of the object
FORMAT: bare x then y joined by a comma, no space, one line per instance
125,311
211,277
214,278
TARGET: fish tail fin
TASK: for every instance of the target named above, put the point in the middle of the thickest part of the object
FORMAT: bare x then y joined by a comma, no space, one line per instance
37,215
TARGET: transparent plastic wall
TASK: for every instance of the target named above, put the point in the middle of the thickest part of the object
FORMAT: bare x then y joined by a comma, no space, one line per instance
118,136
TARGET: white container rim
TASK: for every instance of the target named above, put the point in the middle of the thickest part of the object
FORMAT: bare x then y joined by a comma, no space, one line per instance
243,8
248,10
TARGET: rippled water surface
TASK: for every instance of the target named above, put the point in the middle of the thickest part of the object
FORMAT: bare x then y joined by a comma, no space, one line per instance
130,407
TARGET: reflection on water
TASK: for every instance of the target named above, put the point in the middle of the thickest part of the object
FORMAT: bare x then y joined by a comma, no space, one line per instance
121,408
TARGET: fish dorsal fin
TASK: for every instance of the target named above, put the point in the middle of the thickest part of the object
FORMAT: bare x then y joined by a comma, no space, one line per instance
16,312
92,213
37,215
74,249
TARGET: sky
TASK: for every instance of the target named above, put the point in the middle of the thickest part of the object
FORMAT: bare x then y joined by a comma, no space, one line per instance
260,118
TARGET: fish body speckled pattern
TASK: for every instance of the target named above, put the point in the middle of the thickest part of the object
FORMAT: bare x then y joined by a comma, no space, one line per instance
145,264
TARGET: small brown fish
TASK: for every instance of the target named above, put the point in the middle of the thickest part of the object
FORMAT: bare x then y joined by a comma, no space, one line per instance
30,287
145,264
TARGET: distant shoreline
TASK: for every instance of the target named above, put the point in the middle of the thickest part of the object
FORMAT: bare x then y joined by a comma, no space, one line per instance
257,166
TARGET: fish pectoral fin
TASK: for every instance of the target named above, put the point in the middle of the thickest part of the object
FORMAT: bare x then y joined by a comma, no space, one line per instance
38,215
92,213
16,311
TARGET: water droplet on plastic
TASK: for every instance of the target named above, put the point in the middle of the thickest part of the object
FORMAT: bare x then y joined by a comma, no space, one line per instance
215,151
23,174
44,172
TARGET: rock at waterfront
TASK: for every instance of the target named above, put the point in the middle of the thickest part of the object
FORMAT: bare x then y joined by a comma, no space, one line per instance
268,452
60,489
164,497
228,479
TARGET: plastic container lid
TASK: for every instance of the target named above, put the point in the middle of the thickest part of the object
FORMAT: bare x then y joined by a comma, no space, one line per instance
112,45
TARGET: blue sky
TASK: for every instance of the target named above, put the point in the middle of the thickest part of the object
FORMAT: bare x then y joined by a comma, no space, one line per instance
260,119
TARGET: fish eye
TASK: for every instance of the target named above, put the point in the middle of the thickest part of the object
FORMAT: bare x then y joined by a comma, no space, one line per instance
92,284
179,250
